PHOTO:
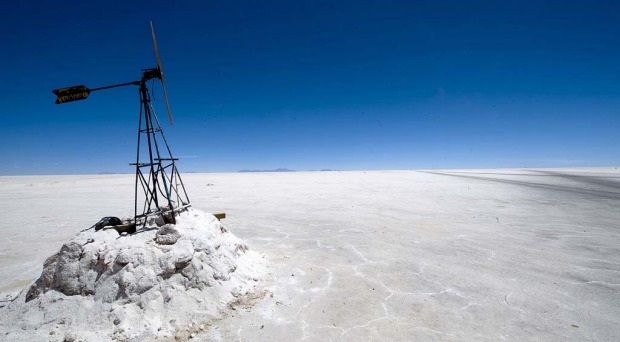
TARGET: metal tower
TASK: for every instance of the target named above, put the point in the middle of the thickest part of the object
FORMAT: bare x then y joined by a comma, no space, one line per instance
163,193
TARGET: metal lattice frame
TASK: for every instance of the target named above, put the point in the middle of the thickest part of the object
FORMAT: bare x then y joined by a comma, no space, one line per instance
156,173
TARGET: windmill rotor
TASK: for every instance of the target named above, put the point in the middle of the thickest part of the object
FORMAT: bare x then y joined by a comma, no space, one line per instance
161,73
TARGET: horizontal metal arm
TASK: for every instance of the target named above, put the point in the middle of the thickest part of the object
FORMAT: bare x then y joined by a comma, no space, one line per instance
117,85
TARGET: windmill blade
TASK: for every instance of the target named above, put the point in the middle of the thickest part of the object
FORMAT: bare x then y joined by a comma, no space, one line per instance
161,73
166,99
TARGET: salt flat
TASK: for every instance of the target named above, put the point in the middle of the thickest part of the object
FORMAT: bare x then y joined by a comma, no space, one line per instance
384,255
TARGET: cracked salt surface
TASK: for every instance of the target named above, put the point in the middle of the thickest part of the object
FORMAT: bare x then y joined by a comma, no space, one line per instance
484,255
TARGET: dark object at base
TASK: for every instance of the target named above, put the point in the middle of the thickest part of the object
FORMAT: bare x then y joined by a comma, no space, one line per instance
107,221
130,228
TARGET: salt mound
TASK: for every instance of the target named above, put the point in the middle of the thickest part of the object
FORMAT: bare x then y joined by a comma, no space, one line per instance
162,282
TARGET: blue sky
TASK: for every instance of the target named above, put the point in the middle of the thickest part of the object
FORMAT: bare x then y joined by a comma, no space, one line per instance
349,85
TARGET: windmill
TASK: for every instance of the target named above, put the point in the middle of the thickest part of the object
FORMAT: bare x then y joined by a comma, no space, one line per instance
162,192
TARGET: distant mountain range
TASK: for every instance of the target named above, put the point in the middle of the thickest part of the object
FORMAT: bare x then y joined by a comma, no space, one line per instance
274,170
281,169
112,173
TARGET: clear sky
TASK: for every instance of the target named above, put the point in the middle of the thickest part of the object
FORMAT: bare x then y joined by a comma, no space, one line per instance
348,85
